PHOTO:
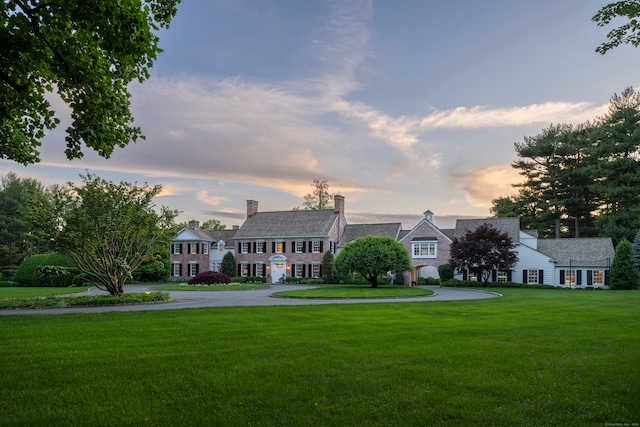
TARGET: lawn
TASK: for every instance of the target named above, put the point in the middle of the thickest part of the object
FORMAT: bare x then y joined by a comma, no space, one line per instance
356,291
19,292
530,358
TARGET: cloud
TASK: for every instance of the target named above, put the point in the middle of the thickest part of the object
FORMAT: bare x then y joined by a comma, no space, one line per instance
481,186
207,198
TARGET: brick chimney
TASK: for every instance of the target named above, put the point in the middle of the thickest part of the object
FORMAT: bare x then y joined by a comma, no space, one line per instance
194,225
338,207
252,207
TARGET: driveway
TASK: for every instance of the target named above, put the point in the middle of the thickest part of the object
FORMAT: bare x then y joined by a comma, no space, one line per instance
256,297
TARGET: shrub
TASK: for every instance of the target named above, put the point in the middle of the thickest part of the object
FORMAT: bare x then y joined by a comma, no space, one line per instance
428,281
50,269
446,272
455,283
210,278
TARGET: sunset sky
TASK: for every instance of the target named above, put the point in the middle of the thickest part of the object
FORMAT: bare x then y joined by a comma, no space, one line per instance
402,106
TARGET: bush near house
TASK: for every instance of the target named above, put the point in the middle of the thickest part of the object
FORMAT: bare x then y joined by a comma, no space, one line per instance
455,283
248,279
428,281
50,269
210,278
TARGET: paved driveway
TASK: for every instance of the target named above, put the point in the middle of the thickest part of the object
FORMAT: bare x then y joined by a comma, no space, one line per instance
256,297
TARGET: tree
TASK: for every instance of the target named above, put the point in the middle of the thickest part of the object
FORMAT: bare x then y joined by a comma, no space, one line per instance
636,248
228,265
328,268
319,198
88,51
372,257
212,224
624,271
18,239
107,229
481,251
629,32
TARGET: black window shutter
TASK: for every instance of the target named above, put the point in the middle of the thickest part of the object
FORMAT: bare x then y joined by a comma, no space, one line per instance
321,244
284,247
465,275
255,247
310,270
293,247
562,277
239,270
525,276
541,276
578,277
173,248
304,247
254,270
589,277
273,247
606,277
180,270
304,270
509,276
239,247
197,249
494,275
197,269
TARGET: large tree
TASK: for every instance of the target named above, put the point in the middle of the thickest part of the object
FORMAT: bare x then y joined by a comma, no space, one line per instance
107,229
628,32
481,251
372,257
212,224
320,198
88,51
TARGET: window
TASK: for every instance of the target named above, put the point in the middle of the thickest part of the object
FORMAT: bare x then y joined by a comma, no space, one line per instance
244,247
570,277
177,270
473,277
299,248
425,249
260,270
279,247
532,276
193,248
502,276
177,248
205,248
193,269
316,247
220,246
260,247
315,270
298,270
244,269
598,277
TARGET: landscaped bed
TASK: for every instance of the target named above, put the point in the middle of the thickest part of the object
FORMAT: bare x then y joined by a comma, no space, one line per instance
47,298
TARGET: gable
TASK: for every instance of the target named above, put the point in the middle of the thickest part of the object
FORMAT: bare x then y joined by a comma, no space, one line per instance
424,230
185,235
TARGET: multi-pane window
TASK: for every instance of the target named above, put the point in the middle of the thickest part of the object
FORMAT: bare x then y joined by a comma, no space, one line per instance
244,247
315,270
299,270
193,248
425,250
260,270
532,276
193,269
205,248
598,277
315,247
279,247
501,276
177,248
260,247
176,270
299,248
570,277
244,269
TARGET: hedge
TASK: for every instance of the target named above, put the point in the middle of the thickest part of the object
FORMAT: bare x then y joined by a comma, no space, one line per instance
51,269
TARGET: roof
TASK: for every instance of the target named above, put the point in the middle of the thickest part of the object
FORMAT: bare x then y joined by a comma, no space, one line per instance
206,235
291,224
578,252
511,226
224,235
353,231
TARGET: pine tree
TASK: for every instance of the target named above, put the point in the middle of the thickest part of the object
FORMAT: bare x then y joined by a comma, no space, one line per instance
624,271
228,265
636,248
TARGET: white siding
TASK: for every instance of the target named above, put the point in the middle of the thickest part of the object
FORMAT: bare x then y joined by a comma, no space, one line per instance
530,259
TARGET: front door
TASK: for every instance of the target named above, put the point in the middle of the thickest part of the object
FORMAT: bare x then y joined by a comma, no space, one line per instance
278,271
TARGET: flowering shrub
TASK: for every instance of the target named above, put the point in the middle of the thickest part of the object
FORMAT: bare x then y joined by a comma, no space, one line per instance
210,278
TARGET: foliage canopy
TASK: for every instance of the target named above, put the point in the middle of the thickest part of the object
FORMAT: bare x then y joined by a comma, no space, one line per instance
88,51
627,33
624,271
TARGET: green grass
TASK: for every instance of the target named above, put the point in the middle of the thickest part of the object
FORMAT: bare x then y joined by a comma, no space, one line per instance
230,287
37,292
530,358
53,301
356,291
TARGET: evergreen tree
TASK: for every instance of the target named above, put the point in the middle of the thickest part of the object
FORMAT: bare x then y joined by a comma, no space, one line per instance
228,265
636,248
328,268
624,270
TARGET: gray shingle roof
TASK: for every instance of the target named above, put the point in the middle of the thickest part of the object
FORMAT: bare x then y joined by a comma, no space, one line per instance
578,252
287,224
353,231
511,226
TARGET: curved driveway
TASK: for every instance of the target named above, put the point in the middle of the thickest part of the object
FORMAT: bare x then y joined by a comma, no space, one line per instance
256,297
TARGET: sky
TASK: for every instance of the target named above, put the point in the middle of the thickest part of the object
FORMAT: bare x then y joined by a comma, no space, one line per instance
401,106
